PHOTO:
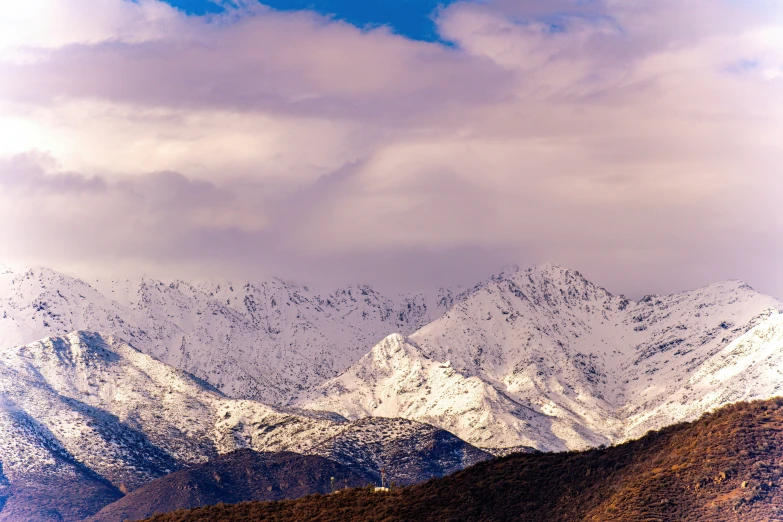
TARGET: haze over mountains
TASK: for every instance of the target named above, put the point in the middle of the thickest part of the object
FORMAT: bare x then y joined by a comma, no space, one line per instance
285,222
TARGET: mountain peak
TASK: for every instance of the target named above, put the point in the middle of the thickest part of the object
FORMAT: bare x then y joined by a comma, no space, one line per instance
547,271
508,271
548,266
393,349
552,271
733,285
87,415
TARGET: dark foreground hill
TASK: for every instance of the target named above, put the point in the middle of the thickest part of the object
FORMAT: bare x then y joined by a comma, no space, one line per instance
43,500
238,476
727,466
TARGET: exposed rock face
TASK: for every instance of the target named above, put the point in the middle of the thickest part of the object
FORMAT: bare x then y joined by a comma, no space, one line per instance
408,451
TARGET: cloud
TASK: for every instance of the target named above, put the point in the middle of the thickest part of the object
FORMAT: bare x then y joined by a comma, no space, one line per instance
635,141
27,175
291,63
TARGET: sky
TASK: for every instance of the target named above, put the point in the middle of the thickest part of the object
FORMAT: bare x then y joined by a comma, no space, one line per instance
405,143
412,18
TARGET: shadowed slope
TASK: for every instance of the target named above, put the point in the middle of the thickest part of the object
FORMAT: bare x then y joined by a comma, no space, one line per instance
239,476
410,452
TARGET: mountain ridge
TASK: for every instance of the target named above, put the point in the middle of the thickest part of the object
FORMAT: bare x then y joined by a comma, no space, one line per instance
543,357
263,341
239,476
566,363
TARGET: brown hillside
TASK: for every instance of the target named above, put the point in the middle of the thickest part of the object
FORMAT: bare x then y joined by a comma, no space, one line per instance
727,466
242,475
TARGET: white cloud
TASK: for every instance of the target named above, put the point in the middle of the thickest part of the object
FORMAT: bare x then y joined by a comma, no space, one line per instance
34,25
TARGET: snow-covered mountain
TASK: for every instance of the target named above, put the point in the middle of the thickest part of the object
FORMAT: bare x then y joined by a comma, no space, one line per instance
537,358
544,358
91,414
748,368
263,341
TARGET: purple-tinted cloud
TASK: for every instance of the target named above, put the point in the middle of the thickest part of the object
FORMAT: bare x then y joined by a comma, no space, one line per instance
30,174
293,64
617,137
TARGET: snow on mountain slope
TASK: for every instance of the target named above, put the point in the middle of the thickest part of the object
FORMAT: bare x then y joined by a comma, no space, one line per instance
545,358
89,406
262,341
397,379
38,472
749,368
121,413
408,451
540,358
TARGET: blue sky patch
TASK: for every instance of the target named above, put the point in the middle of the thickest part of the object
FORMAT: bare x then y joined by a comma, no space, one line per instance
411,18
196,7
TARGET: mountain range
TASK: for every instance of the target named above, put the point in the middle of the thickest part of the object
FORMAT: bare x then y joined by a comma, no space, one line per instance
109,385
544,358
539,358
263,341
